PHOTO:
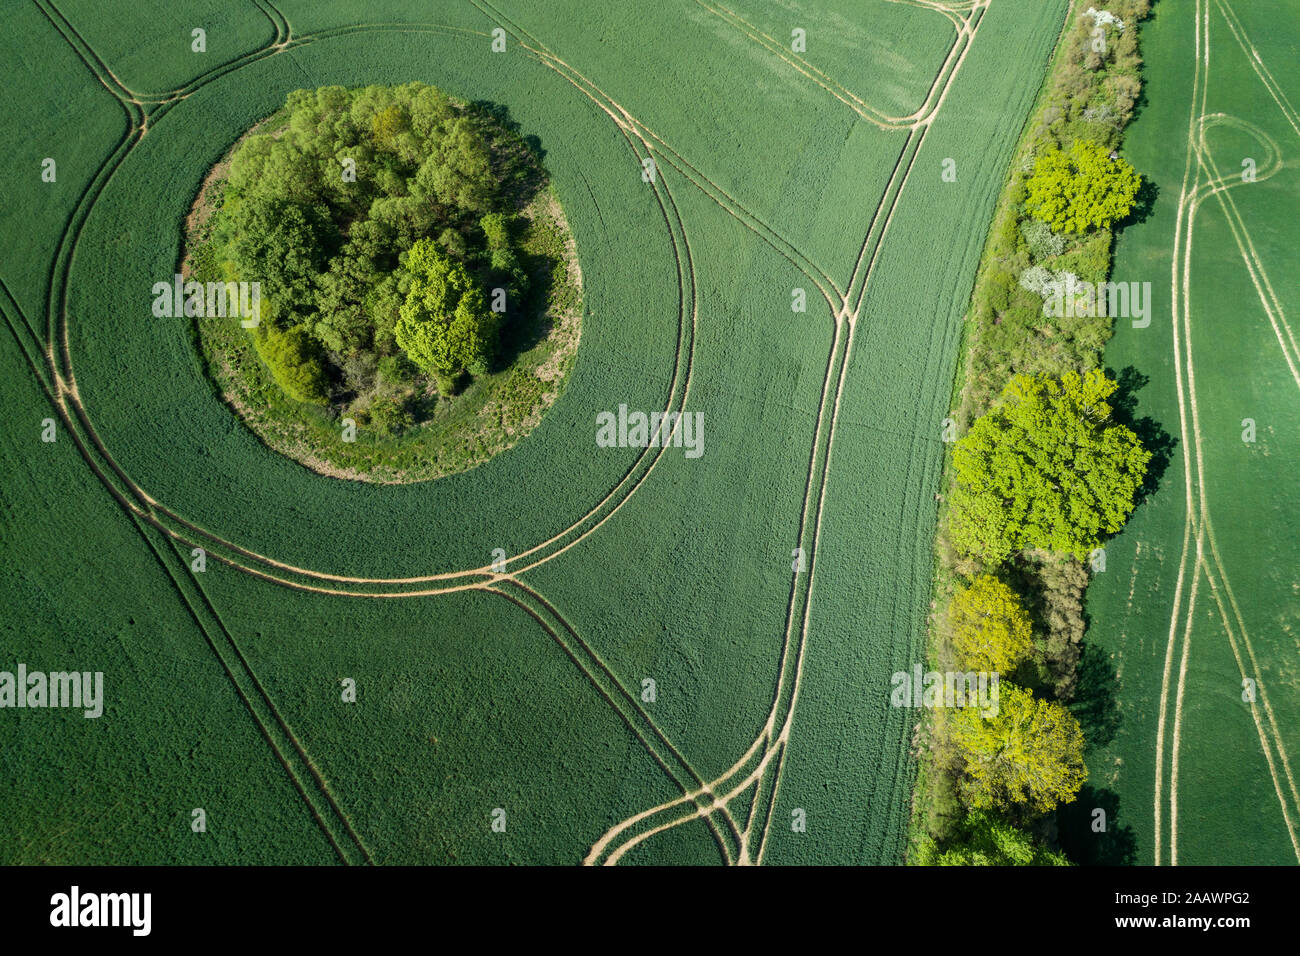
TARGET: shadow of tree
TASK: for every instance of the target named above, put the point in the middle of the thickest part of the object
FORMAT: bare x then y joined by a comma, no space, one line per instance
517,167
1144,203
517,161
1095,698
1141,102
532,321
1081,841
1159,442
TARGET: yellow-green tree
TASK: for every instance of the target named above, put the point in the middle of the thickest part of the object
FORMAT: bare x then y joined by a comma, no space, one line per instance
1046,468
388,123
1081,189
989,628
1030,754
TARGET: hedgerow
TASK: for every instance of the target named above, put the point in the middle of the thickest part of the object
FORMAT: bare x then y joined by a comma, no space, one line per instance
1066,193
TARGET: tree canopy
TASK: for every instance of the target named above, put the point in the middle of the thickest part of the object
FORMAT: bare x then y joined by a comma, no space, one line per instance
1082,189
1029,755
445,325
1045,468
982,839
326,203
990,630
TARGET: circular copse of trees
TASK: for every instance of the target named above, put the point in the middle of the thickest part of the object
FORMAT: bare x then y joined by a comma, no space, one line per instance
411,295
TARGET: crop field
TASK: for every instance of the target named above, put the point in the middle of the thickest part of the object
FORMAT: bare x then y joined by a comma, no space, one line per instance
575,654
1197,617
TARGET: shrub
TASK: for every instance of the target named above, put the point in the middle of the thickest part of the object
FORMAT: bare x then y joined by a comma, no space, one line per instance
982,839
1038,280
448,384
395,370
390,416
294,361
1090,261
1042,242
994,293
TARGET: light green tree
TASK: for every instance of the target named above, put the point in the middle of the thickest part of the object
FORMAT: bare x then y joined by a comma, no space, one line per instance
1045,468
1030,754
294,360
1081,190
444,324
984,840
989,629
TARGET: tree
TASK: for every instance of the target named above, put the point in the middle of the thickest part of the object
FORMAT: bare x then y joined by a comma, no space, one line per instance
284,246
388,123
982,839
1045,468
990,631
1081,190
342,324
445,325
459,172
1030,754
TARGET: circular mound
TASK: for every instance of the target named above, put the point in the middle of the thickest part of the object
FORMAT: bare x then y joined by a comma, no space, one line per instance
220,481
383,283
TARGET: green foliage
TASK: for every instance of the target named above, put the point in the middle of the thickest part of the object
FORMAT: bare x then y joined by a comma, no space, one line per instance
496,227
982,839
388,124
1090,260
284,245
395,370
459,173
390,416
1046,468
294,361
326,246
445,325
1029,755
1081,190
1060,582
447,383
989,629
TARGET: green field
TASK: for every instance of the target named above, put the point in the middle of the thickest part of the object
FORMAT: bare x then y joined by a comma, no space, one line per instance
1202,589
522,688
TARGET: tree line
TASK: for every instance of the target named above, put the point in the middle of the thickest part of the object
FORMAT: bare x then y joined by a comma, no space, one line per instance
1044,472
